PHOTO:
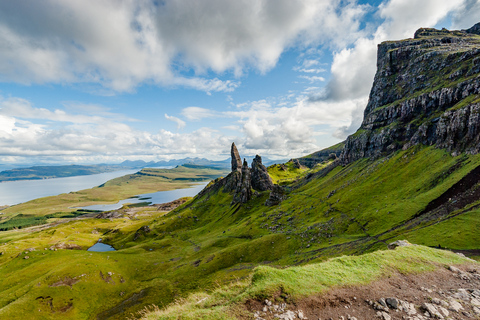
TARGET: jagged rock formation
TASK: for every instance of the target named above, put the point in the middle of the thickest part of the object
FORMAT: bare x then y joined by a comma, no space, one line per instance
242,180
236,160
243,192
426,91
261,180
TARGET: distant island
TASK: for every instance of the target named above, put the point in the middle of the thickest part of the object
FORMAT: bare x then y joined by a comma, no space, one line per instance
49,172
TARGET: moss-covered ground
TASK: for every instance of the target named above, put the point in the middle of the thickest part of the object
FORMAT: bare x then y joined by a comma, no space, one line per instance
208,242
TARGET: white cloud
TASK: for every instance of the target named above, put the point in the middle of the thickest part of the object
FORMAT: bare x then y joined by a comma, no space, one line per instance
120,44
312,79
353,68
467,15
197,113
180,123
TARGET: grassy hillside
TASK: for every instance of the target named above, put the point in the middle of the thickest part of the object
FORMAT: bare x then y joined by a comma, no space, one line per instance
208,242
291,284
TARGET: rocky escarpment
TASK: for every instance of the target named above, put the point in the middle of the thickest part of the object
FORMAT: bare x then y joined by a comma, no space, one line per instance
426,91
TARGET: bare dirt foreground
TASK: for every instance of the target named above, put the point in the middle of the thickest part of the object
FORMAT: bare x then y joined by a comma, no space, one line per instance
448,293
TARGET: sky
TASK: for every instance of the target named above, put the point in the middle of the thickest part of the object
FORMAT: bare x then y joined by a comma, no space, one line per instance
102,81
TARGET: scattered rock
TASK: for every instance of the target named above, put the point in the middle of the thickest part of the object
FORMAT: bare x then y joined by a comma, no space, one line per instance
141,232
276,196
399,243
392,303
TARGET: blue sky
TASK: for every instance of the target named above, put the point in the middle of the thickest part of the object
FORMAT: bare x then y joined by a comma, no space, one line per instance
87,81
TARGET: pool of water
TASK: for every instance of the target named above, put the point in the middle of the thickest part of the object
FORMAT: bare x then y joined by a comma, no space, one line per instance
101,247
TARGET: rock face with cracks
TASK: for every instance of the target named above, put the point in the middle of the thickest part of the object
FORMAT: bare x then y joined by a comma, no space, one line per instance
426,91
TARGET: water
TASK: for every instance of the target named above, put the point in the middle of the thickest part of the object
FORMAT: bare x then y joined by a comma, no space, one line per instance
14,192
101,247
156,197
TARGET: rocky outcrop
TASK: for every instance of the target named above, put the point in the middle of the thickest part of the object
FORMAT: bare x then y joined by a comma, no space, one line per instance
243,192
276,196
236,160
426,91
261,180
242,180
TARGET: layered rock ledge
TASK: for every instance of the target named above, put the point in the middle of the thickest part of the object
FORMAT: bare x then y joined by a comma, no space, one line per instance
426,91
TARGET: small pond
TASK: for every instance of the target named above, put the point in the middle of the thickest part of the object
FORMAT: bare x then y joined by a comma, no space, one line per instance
101,247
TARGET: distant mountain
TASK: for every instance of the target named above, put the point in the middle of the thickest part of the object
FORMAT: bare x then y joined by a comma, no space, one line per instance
55,171
223,164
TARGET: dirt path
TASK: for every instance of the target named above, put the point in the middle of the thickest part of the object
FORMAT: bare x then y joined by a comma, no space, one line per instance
444,294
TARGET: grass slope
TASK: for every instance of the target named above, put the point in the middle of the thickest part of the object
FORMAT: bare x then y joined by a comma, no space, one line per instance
348,210
293,283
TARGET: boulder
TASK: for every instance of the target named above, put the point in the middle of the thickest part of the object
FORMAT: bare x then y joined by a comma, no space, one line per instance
399,243
276,196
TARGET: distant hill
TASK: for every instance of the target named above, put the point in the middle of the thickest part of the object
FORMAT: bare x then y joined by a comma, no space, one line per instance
55,171
48,172
223,164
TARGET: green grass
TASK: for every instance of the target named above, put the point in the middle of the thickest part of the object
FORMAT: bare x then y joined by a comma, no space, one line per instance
293,283
208,242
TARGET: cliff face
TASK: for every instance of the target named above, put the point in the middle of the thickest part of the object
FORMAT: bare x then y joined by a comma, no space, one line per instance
426,90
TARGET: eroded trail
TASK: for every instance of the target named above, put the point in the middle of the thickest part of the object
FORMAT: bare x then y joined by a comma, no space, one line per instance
448,293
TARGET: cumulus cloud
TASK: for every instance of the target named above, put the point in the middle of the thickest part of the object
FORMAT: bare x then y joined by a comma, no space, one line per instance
121,44
467,15
27,131
353,68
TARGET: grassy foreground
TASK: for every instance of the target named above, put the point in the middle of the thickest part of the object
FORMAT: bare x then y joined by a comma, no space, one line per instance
208,242
290,284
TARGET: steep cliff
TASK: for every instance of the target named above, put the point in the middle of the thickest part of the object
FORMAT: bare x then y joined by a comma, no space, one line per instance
426,91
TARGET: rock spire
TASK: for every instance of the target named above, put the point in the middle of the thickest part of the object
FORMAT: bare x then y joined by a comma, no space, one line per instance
236,160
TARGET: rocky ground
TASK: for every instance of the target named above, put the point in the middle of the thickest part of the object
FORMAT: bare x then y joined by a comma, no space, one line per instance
449,293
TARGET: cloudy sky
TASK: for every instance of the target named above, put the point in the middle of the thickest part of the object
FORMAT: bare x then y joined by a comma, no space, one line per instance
92,81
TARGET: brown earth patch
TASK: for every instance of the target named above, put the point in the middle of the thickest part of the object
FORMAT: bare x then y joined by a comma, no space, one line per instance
67,281
356,302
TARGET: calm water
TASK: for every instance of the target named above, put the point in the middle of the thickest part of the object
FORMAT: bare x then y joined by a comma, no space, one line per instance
15,192
101,247
156,197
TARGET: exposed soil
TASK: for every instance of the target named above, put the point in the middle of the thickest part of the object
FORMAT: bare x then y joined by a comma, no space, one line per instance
67,281
360,302
170,205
